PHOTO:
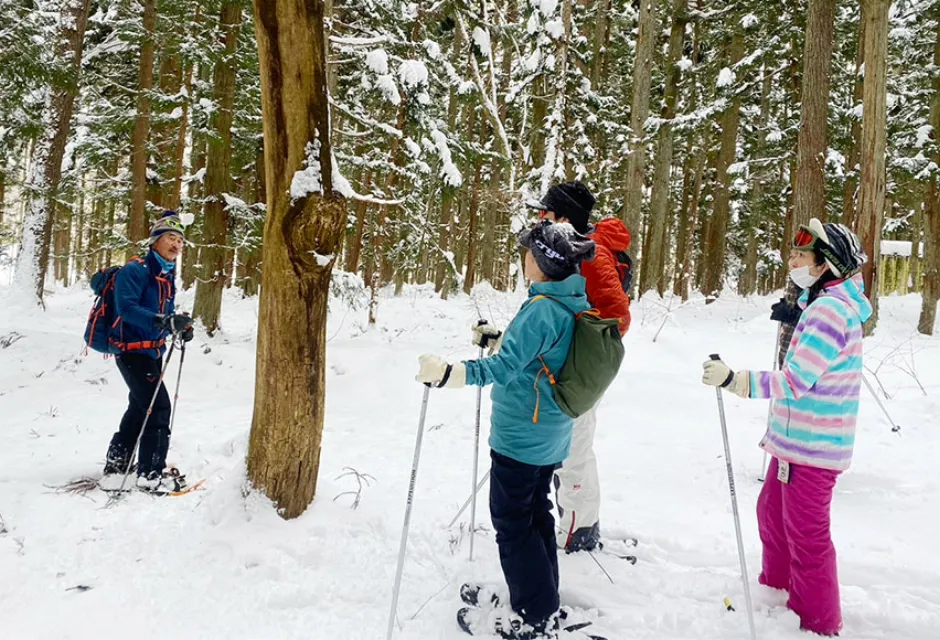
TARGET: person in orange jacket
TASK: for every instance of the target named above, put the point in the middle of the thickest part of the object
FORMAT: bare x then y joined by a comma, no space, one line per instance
577,485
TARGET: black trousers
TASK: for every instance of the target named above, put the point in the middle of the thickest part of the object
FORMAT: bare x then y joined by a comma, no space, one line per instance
141,374
525,533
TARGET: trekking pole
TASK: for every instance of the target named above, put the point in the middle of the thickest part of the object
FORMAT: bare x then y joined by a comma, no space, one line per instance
770,405
408,503
476,461
895,427
734,508
179,374
140,436
486,476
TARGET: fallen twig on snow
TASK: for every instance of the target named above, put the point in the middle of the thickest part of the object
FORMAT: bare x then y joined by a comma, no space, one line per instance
362,479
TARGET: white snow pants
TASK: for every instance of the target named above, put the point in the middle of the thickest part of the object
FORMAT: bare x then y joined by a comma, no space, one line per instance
578,492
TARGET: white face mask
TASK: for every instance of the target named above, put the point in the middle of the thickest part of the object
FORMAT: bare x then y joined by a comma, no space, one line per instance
802,277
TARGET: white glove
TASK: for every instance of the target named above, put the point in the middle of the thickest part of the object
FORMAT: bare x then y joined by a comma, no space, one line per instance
487,336
717,374
435,371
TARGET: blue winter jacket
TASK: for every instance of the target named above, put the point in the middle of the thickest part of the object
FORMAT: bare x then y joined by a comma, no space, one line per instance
526,423
141,291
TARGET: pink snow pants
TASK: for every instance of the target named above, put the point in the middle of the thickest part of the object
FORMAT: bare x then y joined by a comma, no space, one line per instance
798,554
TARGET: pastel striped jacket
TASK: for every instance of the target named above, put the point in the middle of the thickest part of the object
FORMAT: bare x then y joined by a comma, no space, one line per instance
816,392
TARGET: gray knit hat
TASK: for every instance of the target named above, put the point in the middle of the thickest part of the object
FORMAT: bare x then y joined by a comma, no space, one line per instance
169,222
557,248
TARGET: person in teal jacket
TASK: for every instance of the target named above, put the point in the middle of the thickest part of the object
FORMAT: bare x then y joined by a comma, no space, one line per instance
529,434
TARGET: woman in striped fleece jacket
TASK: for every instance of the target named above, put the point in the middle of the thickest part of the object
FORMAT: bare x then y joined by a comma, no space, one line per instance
811,434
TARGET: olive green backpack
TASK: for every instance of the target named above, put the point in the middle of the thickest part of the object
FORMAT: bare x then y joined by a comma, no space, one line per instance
592,363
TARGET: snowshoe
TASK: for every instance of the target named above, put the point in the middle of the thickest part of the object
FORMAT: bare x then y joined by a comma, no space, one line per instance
505,624
471,594
171,481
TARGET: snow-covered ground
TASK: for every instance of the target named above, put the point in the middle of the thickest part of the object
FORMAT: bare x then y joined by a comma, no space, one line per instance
220,563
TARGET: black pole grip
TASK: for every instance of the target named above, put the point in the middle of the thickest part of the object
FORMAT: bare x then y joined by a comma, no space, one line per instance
714,356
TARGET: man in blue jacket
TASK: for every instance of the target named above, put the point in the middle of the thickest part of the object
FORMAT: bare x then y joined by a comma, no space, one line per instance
144,292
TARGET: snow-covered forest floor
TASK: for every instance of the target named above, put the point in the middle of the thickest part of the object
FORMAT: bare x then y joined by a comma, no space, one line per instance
219,563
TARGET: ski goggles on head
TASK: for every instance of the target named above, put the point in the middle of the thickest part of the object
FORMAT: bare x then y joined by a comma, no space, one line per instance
805,239
176,225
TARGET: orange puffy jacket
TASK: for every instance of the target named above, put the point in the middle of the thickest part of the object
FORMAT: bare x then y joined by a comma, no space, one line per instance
604,291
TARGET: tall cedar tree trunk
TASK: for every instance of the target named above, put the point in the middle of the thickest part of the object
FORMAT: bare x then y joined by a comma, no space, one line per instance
690,187
137,226
600,41
871,198
472,233
747,285
3,190
931,286
639,112
917,226
174,191
781,279
354,251
851,163
290,383
448,192
45,172
254,255
62,244
653,275
716,242
557,125
214,256
192,264
80,232
94,232
810,194
166,134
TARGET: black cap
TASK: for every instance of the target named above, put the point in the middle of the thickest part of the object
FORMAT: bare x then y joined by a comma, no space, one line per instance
571,200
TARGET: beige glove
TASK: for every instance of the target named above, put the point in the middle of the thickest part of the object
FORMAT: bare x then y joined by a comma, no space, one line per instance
717,374
435,371
487,336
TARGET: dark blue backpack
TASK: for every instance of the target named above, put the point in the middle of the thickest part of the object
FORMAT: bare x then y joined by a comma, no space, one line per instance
101,316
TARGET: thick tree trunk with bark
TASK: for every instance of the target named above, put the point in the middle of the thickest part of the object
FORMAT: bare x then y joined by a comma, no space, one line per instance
716,241
45,172
931,286
639,112
871,200
810,195
137,227
216,259
302,232
653,275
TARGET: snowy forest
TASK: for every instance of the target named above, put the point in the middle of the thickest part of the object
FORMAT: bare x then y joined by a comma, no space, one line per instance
330,202
713,129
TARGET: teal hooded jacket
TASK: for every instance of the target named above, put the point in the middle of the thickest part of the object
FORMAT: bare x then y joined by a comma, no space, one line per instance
526,423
